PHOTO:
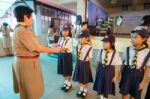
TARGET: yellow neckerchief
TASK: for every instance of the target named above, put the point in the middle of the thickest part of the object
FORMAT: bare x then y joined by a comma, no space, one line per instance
79,52
141,48
108,51
106,55
134,62
22,23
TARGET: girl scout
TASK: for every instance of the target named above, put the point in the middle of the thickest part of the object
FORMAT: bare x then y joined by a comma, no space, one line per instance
27,73
83,70
65,59
134,71
108,60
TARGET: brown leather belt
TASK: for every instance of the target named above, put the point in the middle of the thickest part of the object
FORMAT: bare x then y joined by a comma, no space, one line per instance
28,57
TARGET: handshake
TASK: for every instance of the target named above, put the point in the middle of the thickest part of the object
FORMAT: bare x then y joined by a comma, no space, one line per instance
62,50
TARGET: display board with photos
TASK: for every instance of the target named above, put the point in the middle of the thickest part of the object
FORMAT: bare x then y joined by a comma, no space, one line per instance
104,25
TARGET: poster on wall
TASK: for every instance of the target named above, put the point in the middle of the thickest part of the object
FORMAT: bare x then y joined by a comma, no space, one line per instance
119,20
95,13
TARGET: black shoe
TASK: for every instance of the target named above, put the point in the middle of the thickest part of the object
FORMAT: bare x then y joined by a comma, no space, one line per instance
67,88
84,94
63,87
79,94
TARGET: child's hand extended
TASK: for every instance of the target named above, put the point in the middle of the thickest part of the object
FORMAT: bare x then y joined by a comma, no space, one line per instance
120,76
141,85
62,49
56,45
114,79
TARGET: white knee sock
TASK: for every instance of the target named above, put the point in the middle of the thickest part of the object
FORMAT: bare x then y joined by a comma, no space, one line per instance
66,82
81,88
101,97
69,83
85,89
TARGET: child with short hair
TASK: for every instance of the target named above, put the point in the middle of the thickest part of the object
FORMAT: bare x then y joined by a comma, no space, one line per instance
83,70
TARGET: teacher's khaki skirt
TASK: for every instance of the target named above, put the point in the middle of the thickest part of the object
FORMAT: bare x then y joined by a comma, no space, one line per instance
27,77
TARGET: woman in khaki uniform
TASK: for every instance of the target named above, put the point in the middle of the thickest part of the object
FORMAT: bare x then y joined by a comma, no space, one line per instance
27,73
6,29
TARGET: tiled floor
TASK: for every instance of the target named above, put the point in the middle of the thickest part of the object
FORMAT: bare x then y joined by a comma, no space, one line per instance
52,81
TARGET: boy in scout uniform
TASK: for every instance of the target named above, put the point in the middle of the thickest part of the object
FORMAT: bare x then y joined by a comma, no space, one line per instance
27,73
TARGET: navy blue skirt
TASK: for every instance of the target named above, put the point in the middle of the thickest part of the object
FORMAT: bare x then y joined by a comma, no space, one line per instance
148,92
65,65
103,82
83,73
130,81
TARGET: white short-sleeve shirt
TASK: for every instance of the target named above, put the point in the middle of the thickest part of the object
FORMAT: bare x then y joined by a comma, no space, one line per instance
84,51
140,57
116,60
66,43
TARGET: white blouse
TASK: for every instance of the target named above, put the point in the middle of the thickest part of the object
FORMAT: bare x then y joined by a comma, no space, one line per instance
116,60
66,43
84,51
140,57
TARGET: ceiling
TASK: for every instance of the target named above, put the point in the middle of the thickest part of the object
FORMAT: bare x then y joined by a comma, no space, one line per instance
4,6
111,4
69,4
107,5
117,3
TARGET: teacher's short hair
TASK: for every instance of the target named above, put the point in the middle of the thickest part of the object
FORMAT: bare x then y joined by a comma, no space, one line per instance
20,11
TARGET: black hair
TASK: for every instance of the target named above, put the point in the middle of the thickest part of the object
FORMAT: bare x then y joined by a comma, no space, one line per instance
20,11
70,34
67,27
84,23
113,47
146,20
5,24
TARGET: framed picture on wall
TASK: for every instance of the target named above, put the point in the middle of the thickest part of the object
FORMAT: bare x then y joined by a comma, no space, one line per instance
119,20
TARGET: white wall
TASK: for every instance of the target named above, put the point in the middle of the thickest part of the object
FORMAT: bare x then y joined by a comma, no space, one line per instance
131,19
